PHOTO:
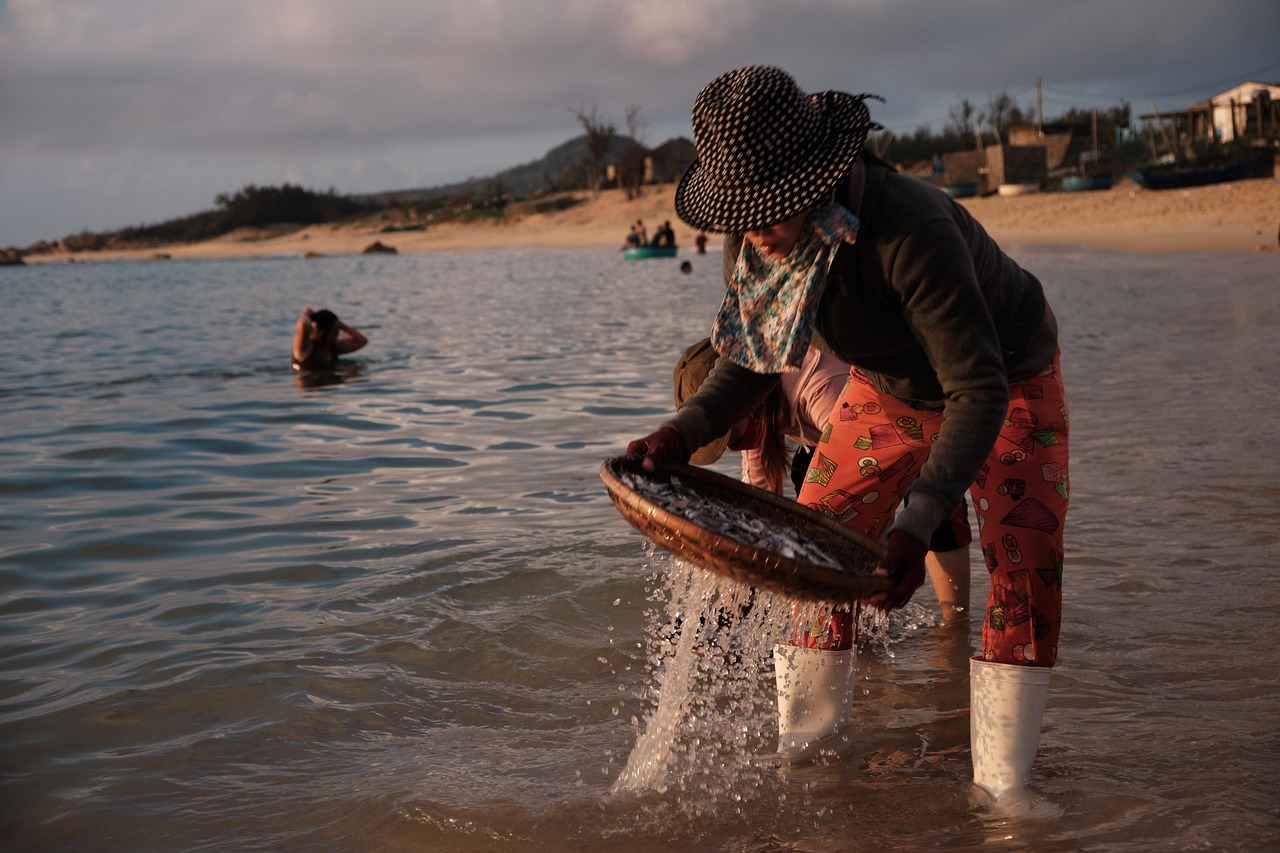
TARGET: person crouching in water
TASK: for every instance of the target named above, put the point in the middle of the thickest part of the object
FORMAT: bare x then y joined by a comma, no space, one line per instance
956,383
320,338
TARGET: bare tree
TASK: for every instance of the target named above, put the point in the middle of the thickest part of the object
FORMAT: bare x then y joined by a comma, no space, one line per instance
637,127
599,134
1002,112
631,162
961,119
496,192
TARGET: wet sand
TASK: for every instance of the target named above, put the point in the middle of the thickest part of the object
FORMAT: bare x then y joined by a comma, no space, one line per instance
1238,216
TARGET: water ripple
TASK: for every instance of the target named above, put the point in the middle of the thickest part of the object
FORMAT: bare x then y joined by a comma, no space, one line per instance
396,610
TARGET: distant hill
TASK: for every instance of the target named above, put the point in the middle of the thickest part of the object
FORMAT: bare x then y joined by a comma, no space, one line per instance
553,171
561,168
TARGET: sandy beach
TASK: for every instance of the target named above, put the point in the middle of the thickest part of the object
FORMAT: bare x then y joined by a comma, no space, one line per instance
1238,216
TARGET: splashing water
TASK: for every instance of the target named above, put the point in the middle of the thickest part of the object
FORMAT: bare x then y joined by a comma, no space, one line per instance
708,651
712,696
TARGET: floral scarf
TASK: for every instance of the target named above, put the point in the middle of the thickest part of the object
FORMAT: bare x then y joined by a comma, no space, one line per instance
766,319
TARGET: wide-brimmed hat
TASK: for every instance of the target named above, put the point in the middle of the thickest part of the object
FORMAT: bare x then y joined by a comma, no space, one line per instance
691,371
766,150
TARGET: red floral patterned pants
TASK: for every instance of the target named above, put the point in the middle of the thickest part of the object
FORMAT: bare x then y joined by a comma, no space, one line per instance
872,450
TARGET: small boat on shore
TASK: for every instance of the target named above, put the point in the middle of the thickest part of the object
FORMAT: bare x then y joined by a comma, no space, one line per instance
1080,183
635,253
1177,175
967,189
1090,173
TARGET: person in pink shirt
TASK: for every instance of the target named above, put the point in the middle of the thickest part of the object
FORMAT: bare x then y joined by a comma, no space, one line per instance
798,413
815,670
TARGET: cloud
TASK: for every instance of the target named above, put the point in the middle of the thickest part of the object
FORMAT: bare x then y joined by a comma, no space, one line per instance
428,89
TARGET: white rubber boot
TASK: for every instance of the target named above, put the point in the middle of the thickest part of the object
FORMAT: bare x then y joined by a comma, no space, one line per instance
1006,706
815,693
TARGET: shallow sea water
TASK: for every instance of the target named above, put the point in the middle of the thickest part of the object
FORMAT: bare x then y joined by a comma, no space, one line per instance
395,609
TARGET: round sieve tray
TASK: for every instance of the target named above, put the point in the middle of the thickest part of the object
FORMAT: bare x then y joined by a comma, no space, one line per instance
746,533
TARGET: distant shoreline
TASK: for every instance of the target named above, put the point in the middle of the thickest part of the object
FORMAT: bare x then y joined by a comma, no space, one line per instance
1236,216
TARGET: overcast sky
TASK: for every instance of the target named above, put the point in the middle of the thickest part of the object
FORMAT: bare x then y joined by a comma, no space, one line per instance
131,112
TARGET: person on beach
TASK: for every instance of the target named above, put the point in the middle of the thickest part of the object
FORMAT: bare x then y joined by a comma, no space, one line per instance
320,337
955,382
665,235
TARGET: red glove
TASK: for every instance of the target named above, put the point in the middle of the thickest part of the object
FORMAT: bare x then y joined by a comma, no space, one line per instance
665,445
904,562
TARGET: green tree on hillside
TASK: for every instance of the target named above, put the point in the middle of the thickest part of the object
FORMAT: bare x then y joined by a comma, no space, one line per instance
254,207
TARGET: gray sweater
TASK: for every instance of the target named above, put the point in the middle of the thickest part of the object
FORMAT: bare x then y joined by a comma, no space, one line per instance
933,312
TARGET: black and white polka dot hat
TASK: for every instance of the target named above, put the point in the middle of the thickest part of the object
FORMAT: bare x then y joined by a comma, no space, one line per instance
766,149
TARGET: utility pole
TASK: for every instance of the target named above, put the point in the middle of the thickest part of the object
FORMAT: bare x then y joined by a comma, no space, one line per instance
1039,109
1164,133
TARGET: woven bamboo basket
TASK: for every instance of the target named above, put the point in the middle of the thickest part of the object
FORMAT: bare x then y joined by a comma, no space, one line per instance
856,554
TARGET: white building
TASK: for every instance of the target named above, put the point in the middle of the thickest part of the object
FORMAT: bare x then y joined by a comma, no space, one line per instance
1245,110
